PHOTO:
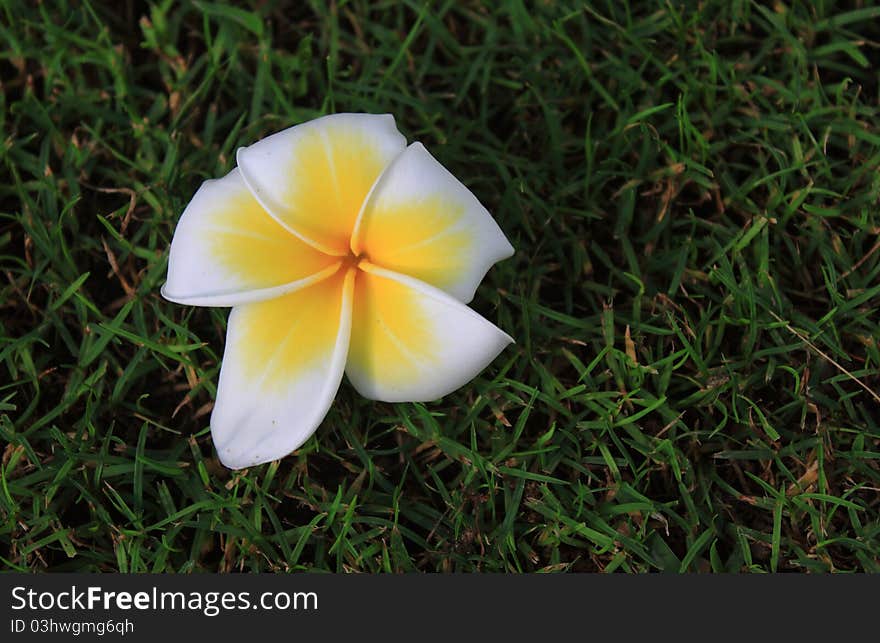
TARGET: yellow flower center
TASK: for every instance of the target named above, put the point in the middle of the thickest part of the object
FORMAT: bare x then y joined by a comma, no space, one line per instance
352,260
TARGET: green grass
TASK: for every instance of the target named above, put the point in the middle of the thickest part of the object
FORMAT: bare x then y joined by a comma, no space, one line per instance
692,189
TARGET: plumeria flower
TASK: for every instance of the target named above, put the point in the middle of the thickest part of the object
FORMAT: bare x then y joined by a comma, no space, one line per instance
340,249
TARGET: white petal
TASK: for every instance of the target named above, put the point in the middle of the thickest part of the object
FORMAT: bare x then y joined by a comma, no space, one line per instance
314,177
282,367
412,342
227,250
423,222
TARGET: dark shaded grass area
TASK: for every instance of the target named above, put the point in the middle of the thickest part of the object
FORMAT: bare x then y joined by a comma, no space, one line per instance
692,189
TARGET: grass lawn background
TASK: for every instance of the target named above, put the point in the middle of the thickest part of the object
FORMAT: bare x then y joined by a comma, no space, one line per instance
692,190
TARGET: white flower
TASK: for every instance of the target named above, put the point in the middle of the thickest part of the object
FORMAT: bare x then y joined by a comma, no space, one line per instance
341,250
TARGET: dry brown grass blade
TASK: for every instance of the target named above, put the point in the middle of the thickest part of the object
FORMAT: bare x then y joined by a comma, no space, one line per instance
825,356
